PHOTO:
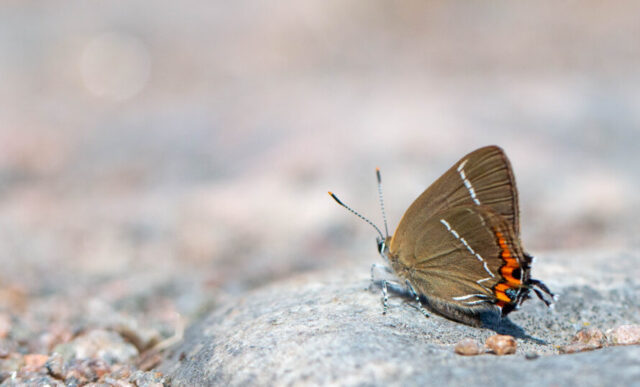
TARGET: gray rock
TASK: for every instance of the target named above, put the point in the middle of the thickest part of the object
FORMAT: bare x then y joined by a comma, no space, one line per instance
328,327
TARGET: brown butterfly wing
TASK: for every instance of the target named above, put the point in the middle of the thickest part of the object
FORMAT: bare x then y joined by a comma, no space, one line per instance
483,177
458,262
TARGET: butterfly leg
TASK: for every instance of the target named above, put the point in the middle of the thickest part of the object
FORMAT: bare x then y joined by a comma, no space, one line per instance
385,298
383,283
386,285
389,286
417,298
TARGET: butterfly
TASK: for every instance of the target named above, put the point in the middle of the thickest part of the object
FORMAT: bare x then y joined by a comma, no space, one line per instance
458,246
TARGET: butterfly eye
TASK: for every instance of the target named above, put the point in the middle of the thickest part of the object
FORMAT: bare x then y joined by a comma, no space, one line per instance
382,246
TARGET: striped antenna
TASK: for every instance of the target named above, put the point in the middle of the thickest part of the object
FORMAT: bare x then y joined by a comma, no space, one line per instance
384,215
356,213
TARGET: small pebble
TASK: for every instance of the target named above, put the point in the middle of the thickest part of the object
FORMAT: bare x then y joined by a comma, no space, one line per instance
122,371
54,336
98,344
147,379
624,335
468,347
99,367
4,350
55,366
501,344
31,379
34,362
586,339
531,355
87,370
12,363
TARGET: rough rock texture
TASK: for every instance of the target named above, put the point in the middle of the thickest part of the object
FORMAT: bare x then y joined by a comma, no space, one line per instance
327,327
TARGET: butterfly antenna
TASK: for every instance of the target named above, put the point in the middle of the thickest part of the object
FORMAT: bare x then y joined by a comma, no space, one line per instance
355,213
384,215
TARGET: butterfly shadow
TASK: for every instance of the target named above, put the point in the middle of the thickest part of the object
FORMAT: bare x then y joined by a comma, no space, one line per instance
488,319
504,326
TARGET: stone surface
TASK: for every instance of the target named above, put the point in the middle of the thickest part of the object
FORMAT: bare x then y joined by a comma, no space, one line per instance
327,327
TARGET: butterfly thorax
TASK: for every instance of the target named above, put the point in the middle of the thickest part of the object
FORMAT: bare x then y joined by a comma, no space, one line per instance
400,269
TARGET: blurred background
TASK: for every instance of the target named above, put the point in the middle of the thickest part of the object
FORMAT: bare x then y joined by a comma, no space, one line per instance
155,156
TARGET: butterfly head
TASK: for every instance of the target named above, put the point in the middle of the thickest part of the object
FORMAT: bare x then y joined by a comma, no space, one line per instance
383,246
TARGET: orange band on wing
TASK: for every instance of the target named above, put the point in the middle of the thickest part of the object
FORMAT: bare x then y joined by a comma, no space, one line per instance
511,263
506,270
501,287
502,297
